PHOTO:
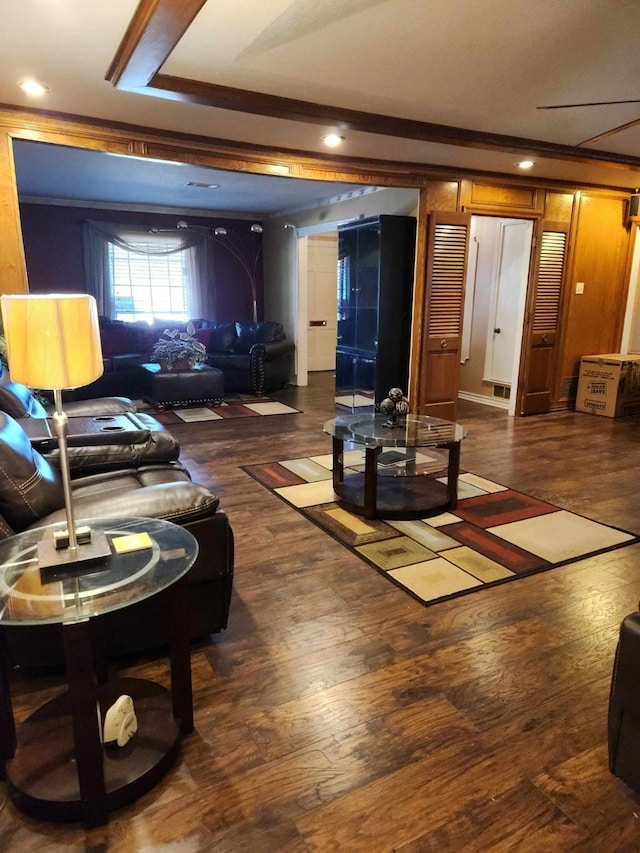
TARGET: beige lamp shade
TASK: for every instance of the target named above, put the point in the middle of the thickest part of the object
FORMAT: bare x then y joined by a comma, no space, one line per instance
53,340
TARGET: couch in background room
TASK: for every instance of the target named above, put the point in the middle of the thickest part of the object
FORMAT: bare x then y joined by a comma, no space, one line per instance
255,358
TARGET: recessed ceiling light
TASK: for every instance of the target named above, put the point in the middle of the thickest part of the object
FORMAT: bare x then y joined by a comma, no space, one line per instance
333,140
526,164
32,87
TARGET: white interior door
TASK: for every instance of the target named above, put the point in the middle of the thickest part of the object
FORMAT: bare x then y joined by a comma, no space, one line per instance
511,273
322,269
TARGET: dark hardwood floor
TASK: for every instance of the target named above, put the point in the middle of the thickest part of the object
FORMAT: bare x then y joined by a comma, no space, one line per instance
336,713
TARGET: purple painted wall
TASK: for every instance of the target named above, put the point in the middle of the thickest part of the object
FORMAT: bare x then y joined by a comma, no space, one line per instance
52,236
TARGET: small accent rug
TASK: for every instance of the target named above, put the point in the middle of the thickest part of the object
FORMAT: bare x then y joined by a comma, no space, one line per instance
493,536
238,406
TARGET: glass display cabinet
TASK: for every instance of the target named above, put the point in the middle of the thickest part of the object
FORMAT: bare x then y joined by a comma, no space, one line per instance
376,260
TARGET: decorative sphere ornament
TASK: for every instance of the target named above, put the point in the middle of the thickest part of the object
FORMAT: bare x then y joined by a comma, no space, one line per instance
394,405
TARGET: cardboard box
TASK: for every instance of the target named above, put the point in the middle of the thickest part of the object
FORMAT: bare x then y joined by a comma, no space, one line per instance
609,385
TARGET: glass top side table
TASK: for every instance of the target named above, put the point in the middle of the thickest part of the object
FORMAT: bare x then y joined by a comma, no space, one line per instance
398,482
58,767
93,588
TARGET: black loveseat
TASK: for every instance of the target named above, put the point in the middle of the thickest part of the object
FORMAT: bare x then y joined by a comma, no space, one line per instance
255,358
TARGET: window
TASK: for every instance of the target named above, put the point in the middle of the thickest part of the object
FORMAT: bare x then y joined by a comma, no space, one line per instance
141,274
150,280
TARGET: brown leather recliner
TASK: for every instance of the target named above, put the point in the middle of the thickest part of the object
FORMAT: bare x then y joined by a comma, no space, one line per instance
31,495
139,439
133,438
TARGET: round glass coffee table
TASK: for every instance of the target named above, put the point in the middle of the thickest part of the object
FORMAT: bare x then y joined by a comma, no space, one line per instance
58,768
400,479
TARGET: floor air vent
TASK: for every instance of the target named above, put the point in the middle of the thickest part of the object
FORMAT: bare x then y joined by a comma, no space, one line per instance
502,391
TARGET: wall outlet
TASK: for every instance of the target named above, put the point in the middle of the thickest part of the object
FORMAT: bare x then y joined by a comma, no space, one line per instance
579,287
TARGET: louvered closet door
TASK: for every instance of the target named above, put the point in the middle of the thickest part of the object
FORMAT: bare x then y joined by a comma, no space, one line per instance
446,270
540,347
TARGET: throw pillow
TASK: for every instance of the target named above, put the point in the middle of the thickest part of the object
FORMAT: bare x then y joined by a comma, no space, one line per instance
223,337
204,336
249,334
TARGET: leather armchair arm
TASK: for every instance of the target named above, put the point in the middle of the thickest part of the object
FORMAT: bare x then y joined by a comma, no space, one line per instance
180,502
272,351
624,703
260,354
144,441
96,406
156,447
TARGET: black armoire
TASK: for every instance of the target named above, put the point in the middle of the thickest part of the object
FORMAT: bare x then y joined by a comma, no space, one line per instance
376,259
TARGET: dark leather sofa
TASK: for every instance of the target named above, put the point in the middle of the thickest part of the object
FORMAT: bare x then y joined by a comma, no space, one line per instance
128,437
31,495
255,358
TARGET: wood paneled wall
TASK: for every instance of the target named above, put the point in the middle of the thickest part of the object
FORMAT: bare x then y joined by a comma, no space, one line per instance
13,271
593,320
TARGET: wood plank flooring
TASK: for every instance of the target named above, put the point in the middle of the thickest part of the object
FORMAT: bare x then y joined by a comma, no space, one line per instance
338,714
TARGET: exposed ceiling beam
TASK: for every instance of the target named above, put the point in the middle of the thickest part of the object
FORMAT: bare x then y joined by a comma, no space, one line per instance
274,106
155,29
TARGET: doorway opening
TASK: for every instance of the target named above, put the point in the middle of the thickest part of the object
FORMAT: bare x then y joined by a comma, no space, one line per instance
317,296
322,297
495,296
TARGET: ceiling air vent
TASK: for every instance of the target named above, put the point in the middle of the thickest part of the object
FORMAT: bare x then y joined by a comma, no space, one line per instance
202,186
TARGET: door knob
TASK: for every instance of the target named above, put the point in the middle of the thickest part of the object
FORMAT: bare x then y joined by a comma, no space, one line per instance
496,331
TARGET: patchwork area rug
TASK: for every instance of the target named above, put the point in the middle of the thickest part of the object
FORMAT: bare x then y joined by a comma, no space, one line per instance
237,406
494,535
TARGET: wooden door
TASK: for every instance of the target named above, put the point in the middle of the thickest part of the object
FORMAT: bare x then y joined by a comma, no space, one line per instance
445,275
542,319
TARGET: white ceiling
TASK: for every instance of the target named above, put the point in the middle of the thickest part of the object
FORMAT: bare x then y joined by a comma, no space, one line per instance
484,65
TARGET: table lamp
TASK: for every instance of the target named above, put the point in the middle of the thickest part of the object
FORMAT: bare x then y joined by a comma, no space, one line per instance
53,342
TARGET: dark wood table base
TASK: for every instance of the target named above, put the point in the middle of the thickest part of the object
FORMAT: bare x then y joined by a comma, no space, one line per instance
58,768
406,498
375,495
43,775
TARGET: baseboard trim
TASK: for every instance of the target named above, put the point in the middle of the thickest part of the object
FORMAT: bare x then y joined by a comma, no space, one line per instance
496,402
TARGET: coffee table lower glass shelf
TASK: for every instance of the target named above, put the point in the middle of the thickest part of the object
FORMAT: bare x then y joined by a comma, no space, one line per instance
57,767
